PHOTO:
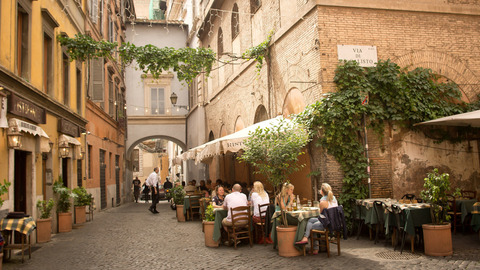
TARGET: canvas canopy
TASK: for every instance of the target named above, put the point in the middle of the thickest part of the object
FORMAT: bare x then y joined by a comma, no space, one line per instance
462,120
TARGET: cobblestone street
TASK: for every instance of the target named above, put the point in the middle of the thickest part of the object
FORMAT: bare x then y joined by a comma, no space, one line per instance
130,237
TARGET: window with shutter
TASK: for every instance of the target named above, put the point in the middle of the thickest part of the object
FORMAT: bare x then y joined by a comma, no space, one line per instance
98,77
157,100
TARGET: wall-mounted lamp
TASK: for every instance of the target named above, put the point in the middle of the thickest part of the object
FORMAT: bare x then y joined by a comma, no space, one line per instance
50,143
173,99
14,138
81,155
64,149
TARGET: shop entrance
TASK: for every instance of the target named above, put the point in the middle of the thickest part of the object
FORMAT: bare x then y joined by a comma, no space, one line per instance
20,181
65,171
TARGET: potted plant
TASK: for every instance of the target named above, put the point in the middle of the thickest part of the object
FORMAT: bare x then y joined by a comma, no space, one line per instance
178,196
63,206
81,199
274,152
44,223
437,236
208,226
3,190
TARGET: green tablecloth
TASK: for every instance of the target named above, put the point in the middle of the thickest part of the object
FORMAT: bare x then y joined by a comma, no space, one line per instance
466,206
416,217
220,214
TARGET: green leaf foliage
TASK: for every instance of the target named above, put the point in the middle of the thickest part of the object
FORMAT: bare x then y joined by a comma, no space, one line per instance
178,195
64,195
4,190
393,94
209,213
45,208
81,196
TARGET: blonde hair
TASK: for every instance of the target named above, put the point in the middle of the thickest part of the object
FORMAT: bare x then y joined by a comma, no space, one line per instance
258,188
285,188
327,191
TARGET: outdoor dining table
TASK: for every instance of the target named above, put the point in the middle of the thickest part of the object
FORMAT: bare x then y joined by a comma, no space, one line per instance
466,207
299,218
475,223
24,226
414,215
368,212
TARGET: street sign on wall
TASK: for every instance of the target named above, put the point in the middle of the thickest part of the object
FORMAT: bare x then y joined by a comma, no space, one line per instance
366,56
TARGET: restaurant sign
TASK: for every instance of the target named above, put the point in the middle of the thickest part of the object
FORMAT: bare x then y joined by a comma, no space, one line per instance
68,128
3,112
26,109
365,56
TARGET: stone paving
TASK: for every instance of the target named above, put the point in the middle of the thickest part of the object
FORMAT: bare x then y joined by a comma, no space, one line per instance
130,237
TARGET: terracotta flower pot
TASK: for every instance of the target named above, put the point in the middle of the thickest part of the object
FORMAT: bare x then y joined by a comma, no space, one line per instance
286,241
80,214
437,239
64,222
180,215
44,230
208,230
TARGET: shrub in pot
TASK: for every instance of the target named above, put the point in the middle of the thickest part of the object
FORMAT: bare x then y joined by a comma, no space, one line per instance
44,222
63,206
178,196
81,199
208,226
437,236
3,190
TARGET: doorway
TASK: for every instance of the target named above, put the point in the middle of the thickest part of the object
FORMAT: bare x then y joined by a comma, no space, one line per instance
65,171
20,181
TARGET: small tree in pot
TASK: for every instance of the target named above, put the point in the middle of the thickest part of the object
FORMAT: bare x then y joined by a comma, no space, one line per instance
178,196
44,223
274,151
437,236
63,206
3,190
208,226
81,199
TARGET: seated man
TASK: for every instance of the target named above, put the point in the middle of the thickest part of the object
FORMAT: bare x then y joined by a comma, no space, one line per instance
232,200
190,188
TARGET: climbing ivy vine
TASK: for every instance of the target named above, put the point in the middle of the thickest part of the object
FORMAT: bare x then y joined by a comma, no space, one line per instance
188,63
382,94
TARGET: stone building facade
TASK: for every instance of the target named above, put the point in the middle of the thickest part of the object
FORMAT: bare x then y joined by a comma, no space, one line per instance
440,35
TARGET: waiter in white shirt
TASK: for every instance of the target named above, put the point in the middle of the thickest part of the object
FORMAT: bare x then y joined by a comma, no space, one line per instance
152,182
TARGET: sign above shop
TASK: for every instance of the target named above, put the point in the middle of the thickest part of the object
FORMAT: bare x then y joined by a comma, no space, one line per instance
365,56
67,127
19,106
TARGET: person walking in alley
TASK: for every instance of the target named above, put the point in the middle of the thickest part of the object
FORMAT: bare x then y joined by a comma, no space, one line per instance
136,188
152,182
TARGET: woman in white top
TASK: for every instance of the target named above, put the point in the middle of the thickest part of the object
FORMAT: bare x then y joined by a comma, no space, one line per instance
259,197
327,201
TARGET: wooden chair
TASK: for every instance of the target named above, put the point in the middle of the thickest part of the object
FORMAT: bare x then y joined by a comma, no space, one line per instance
194,209
241,225
204,202
379,209
399,229
89,209
330,235
469,194
456,216
261,224
357,219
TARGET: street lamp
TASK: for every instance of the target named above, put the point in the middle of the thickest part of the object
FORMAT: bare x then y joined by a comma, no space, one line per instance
64,149
14,138
173,99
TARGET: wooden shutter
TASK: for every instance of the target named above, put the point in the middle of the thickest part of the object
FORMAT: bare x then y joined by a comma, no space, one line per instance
98,77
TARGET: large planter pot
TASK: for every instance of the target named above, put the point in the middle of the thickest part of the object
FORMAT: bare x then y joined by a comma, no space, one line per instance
80,214
286,241
180,215
64,222
208,230
437,239
44,230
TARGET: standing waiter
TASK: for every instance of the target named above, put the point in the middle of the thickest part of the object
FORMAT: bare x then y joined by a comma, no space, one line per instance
152,181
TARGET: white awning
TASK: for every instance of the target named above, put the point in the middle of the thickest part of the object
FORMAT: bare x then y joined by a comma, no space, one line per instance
460,120
69,139
27,127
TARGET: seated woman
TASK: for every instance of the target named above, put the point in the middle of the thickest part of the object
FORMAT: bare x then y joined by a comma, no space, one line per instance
259,197
219,197
285,199
327,201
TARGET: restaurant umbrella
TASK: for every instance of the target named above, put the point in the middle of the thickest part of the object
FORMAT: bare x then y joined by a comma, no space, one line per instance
461,120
